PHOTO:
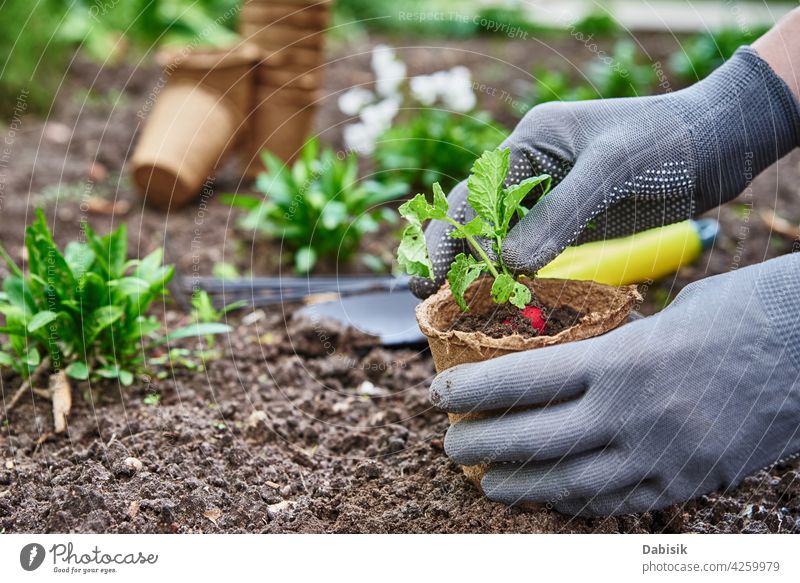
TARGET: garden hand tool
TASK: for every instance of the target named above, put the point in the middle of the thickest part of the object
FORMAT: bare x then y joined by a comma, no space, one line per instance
621,166
658,411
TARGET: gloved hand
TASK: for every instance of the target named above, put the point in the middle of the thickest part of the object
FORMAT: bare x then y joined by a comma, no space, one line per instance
661,410
621,166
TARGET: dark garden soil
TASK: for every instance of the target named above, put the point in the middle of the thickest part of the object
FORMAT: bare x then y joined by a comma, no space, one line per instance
507,319
298,427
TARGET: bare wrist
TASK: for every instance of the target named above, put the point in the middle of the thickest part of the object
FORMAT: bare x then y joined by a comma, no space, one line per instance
780,48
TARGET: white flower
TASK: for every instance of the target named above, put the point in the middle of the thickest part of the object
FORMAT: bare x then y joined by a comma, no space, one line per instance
379,116
382,55
460,100
390,72
424,89
360,138
351,102
452,88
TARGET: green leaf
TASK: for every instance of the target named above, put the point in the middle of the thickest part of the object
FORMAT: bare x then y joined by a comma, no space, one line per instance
33,358
439,199
502,288
417,210
78,370
18,294
412,254
506,289
41,319
305,259
334,214
6,359
521,295
117,250
79,258
110,371
513,195
223,270
464,270
486,182
126,378
12,266
100,319
477,227
194,330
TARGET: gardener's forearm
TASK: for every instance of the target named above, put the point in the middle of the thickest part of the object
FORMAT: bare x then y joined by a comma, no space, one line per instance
780,47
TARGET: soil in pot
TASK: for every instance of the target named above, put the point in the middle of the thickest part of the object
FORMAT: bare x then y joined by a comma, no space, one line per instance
536,319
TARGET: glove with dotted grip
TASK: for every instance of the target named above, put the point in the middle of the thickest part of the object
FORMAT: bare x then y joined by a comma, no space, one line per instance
621,166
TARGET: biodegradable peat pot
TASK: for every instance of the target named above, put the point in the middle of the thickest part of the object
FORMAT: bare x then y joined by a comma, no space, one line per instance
188,133
290,77
279,35
230,72
281,123
605,307
300,16
196,120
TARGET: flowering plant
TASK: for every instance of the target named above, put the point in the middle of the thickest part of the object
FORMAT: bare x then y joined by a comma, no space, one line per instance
442,132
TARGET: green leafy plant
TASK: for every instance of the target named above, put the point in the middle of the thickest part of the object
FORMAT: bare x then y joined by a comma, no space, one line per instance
204,312
704,53
318,206
436,144
85,308
495,206
623,76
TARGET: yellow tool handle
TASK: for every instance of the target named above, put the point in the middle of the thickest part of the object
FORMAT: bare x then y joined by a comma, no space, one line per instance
645,256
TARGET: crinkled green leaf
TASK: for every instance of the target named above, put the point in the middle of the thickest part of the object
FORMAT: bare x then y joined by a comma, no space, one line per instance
477,227
412,254
486,182
506,289
418,210
464,270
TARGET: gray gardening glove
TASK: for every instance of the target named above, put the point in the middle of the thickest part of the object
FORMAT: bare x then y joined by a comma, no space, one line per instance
626,165
661,410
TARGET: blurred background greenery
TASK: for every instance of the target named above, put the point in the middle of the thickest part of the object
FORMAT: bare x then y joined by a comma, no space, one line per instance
39,37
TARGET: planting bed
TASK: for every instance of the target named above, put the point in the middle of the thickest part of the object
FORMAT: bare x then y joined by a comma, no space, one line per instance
299,427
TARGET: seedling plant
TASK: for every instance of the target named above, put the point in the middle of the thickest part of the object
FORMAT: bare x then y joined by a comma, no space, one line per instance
495,206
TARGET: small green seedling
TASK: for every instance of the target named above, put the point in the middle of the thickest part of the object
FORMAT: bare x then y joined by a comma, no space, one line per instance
495,206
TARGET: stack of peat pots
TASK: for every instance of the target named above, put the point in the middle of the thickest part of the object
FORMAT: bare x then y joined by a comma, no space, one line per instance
290,35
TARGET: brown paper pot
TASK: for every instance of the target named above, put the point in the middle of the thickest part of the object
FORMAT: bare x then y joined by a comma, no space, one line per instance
606,307
297,58
271,37
314,4
187,134
290,14
281,123
228,71
289,77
